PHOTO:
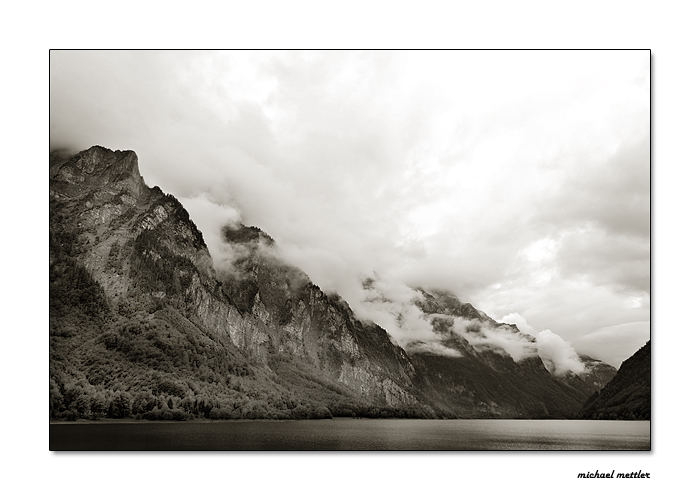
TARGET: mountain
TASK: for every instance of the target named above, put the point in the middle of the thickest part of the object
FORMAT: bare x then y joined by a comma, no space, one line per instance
628,395
481,379
142,325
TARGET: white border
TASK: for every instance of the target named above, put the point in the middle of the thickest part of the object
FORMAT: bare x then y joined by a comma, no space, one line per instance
29,470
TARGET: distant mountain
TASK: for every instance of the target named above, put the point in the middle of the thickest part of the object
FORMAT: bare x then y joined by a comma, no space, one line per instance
141,325
628,395
478,382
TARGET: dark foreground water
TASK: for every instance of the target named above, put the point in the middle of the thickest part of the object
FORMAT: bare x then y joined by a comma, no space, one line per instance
354,434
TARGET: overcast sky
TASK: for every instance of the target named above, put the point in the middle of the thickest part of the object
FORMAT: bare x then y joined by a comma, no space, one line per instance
517,180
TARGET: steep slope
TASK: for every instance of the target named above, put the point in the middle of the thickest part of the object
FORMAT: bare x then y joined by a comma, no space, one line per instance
481,379
628,395
138,312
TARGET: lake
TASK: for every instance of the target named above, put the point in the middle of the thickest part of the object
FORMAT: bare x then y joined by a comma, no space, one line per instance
353,434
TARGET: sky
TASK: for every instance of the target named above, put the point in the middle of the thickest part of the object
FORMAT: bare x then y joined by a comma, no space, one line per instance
517,180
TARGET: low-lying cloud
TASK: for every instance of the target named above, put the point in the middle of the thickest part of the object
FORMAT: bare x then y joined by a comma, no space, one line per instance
481,335
212,217
558,356
392,305
395,308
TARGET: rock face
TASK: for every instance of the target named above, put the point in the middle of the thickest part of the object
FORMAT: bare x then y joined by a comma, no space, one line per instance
628,395
142,325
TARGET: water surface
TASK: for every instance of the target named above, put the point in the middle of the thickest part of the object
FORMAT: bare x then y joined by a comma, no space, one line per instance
353,434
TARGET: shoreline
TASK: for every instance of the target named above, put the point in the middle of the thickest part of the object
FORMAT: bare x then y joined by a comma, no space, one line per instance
248,420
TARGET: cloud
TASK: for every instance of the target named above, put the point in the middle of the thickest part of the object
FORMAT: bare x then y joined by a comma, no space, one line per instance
571,307
519,321
211,218
434,348
517,180
558,355
391,305
615,343
481,335
616,260
612,194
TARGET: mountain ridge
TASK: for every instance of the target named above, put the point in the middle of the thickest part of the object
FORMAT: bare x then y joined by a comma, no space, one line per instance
627,396
141,324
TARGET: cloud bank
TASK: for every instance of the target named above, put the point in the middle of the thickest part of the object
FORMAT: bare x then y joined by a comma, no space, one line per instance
517,180
558,355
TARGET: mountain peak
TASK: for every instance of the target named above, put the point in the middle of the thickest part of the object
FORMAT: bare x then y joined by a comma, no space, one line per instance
97,168
246,234
444,302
